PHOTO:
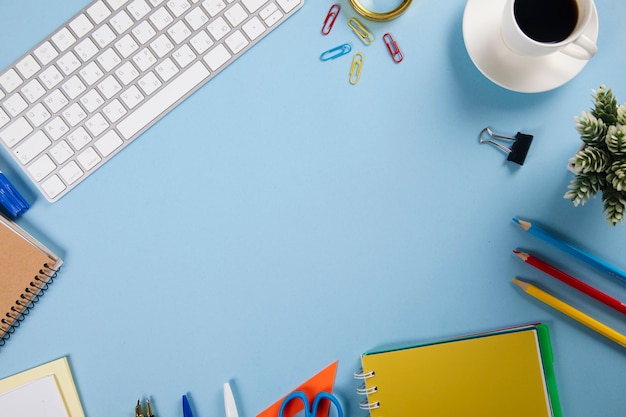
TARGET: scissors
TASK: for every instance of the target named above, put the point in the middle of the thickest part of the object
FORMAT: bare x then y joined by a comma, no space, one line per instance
310,410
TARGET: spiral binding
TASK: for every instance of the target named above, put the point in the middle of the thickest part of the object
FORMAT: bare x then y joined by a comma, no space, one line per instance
26,302
364,390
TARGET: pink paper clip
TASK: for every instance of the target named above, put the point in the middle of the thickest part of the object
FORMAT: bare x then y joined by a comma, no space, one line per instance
392,46
330,18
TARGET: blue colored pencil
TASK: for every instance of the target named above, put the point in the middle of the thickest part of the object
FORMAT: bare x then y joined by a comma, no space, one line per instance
571,249
10,198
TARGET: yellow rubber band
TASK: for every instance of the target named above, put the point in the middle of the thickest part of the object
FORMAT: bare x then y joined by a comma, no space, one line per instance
380,17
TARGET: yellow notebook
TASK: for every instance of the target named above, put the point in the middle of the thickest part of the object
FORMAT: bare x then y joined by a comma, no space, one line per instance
502,373
26,269
49,386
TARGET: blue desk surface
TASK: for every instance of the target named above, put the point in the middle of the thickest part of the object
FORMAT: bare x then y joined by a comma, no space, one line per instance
281,219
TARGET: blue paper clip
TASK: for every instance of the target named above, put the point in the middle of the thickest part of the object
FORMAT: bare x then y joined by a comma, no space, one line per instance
355,69
392,47
330,19
336,52
360,31
10,198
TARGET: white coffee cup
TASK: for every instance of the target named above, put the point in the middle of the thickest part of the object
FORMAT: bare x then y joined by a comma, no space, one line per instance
525,33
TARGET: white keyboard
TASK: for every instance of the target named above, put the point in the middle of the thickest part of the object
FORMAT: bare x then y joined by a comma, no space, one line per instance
85,92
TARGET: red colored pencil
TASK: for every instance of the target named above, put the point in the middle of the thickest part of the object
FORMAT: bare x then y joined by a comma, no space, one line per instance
571,281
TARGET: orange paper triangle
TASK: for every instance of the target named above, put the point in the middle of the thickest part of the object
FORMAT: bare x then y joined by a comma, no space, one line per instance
322,381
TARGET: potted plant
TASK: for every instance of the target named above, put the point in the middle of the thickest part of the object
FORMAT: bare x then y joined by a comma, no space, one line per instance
600,163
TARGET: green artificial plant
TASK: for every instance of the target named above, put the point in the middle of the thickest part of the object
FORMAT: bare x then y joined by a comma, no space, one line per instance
600,163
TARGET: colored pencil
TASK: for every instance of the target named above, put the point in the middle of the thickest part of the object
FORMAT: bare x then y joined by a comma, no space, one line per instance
571,281
573,313
571,249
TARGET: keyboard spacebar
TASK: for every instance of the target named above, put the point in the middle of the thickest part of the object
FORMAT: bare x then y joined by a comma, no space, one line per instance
162,100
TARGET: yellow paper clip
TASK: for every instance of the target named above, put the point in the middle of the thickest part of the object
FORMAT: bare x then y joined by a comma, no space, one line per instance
355,69
360,31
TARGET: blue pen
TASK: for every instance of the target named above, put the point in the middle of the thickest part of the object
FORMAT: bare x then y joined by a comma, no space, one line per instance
571,249
10,198
186,407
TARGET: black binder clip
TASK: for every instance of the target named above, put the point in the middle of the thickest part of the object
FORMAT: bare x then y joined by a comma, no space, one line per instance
517,152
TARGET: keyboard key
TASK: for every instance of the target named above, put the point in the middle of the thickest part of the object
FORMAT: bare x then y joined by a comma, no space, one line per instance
236,15
71,172
15,132
126,73
149,83
161,18
56,101
61,152
104,36
132,97
33,91
253,5
109,59
10,80
63,39
74,114
218,28
41,168
108,143
109,87
38,115
178,7
32,147
114,111
217,57
91,101
79,138
98,12
166,69
86,49
4,118
196,18
89,158
81,25
288,5
161,46
158,103
126,46
179,32
73,87
184,56
144,32
53,186
50,77
91,73
201,42
144,59
96,125
121,22
68,63
254,28
28,66
46,53
138,8
56,128
236,42
15,104
213,7
116,4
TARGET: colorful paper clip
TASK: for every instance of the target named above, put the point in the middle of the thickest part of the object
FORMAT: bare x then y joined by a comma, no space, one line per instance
392,46
360,31
330,18
355,69
336,52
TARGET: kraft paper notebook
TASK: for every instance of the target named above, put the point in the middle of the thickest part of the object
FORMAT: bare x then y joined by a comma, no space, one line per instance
26,269
506,372
47,390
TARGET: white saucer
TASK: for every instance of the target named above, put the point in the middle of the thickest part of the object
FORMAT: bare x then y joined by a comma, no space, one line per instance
525,74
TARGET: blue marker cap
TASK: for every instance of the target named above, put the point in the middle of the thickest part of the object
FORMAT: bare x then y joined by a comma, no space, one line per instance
10,198
186,407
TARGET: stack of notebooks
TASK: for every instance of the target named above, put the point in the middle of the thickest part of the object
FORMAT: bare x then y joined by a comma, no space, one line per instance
26,269
507,372
45,391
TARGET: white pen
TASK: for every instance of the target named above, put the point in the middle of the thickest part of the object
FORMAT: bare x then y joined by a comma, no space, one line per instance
229,401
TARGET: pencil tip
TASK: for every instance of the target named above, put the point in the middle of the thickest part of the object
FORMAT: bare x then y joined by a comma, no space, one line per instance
523,285
522,255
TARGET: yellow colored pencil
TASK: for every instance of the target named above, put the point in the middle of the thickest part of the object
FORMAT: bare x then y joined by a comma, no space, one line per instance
570,311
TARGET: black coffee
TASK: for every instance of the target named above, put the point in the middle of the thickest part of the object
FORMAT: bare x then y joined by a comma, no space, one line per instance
547,21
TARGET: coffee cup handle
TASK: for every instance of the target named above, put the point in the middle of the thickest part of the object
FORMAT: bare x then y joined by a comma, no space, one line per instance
582,48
